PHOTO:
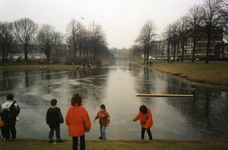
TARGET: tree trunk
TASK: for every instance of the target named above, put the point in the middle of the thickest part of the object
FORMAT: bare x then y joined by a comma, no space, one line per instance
193,50
7,53
144,54
26,52
84,49
75,50
168,51
193,53
174,53
48,56
3,54
147,55
94,55
182,47
80,49
208,43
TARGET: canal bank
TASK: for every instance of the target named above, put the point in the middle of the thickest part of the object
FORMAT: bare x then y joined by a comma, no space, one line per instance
35,144
208,75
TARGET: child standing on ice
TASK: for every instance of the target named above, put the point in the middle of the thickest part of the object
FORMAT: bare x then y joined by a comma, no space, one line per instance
104,120
146,121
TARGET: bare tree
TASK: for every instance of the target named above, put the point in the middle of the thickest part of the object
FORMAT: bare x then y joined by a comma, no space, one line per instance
211,20
194,20
25,30
146,37
58,40
73,34
134,51
223,11
98,38
182,31
81,40
7,39
2,40
142,44
86,43
174,40
48,39
167,38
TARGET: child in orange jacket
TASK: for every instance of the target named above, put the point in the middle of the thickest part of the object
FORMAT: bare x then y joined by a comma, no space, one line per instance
146,120
104,120
78,121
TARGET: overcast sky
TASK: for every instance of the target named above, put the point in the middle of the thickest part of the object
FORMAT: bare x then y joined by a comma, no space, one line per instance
120,19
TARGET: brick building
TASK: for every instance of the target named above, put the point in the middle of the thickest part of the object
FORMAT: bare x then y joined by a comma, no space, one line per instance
221,50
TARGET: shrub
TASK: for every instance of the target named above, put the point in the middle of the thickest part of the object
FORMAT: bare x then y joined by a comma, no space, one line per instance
55,60
97,63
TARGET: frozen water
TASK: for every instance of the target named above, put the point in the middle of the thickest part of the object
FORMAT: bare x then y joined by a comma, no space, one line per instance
203,118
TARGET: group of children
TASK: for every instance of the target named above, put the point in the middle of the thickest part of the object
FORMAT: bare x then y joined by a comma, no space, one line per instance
78,121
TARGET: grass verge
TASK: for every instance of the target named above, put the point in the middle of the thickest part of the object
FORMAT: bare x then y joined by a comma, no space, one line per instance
35,144
45,67
39,67
214,74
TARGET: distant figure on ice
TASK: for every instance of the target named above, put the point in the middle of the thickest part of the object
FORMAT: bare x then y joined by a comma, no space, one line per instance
104,120
53,119
146,120
78,121
9,112
77,66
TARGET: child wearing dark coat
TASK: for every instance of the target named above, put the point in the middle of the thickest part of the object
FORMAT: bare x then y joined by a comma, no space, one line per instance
9,112
54,118
146,120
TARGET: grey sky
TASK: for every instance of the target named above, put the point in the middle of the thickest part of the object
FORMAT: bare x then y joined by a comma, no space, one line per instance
120,19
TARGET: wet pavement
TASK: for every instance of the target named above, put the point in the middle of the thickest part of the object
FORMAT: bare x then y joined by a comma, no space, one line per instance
205,117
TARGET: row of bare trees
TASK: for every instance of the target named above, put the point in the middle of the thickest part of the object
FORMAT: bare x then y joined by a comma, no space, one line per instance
146,39
91,40
26,34
205,19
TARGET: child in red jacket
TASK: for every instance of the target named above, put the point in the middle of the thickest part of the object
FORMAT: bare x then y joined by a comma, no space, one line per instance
78,121
146,120
104,120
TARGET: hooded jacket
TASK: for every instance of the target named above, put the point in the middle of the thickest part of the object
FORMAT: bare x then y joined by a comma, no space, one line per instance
78,121
9,111
54,117
104,117
146,120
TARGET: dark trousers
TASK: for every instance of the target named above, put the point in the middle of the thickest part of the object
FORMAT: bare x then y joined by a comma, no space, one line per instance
149,133
57,132
7,129
82,143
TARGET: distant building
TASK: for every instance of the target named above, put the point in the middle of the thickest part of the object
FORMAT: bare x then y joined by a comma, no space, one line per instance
221,50
201,45
34,52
